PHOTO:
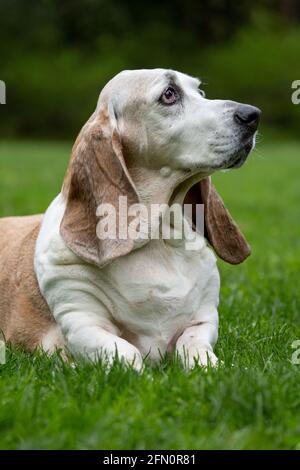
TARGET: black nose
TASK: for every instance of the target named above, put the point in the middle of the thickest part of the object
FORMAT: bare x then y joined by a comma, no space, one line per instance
247,116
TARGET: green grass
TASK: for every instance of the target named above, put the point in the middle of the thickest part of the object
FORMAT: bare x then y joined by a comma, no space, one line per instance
251,401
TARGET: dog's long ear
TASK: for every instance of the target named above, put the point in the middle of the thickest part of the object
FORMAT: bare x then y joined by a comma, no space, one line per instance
97,174
220,229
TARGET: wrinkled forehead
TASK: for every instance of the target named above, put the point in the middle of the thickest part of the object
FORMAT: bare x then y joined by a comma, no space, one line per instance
145,82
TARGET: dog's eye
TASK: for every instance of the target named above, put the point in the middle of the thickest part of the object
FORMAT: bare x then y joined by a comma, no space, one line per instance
169,96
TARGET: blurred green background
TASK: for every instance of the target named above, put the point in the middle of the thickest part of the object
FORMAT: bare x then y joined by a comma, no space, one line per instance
57,55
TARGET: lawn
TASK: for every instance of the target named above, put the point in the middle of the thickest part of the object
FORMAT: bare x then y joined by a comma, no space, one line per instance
251,401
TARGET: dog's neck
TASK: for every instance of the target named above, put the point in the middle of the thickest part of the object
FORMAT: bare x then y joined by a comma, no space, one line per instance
155,186
164,186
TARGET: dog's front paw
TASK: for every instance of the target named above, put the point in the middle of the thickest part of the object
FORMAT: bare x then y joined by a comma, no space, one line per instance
118,349
201,356
126,353
130,357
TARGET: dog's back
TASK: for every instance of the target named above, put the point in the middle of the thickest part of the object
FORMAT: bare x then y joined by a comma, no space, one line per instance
24,314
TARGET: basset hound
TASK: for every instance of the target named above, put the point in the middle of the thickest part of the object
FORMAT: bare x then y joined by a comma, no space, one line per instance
153,139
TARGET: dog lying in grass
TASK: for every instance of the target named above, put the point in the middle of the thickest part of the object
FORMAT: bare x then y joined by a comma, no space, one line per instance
153,140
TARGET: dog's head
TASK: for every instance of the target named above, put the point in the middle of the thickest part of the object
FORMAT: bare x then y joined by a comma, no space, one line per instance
153,130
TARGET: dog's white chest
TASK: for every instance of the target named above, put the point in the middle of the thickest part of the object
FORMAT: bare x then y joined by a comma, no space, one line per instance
158,290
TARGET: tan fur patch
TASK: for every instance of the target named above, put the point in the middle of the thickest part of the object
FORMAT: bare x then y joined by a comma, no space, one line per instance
24,315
